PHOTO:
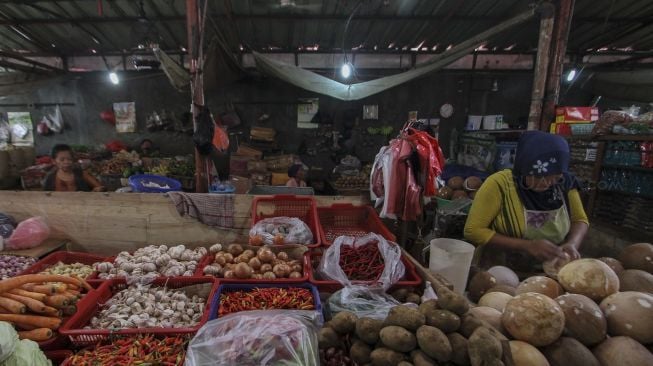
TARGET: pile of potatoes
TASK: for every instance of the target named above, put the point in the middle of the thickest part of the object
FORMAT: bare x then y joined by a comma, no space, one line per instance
597,312
437,332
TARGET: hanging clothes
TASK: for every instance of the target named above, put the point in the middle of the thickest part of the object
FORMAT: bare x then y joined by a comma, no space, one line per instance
431,159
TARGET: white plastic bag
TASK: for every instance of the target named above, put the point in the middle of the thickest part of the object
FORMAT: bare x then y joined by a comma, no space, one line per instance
260,337
364,301
28,234
393,270
55,121
291,229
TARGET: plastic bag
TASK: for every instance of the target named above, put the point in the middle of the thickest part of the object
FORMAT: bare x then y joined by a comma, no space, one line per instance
364,301
220,139
393,270
262,337
291,229
7,219
29,234
55,121
203,135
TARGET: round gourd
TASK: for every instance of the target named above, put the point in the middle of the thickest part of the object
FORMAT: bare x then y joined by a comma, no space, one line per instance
445,193
455,183
504,276
622,351
584,320
636,280
552,267
495,300
523,354
534,318
490,315
503,288
542,285
638,256
630,314
567,351
616,266
589,277
479,284
458,194
472,183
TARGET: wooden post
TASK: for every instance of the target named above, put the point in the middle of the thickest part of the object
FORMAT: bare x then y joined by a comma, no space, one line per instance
194,28
541,64
561,28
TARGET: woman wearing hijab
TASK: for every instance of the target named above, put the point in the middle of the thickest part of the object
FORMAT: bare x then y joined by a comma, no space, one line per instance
296,174
530,213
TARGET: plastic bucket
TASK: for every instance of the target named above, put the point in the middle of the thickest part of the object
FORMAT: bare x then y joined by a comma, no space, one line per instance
451,259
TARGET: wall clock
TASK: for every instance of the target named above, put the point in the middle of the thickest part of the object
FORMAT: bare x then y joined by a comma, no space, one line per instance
446,110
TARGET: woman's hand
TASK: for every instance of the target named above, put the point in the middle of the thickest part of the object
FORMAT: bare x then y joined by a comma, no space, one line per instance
99,189
543,250
571,249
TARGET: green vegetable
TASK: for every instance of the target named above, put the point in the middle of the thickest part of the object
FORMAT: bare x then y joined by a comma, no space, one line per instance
27,353
8,340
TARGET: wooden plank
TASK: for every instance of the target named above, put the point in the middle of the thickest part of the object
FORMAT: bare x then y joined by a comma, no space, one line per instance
47,247
426,274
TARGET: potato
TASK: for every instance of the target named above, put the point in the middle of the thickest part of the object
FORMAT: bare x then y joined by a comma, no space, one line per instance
630,314
479,284
636,280
398,339
455,183
568,351
344,322
638,256
542,285
327,337
512,291
360,352
490,315
616,266
434,343
367,329
523,354
470,322
452,301
589,277
459,354
483,347
406,317
495,300
400,294
428,305
584,320
404,363
386,357
421,359
622,351
444,320
414,298
504,276
534,318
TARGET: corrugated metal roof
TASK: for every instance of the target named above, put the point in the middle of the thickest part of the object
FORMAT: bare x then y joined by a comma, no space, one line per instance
77,27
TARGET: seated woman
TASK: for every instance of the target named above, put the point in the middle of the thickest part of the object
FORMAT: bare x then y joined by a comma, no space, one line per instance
296,174
67,177
529,214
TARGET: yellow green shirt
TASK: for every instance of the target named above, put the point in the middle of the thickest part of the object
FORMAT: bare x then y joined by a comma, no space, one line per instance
497,208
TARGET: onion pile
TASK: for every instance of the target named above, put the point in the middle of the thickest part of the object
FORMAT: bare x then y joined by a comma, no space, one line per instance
237,262
11,265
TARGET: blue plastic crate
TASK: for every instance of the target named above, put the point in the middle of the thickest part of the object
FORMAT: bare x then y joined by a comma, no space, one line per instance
138,183
231,287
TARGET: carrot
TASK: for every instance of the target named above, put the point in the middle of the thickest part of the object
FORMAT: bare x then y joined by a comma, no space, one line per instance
33,295
73,293
73,287
15,282
36,320
12,306
34,305
60,288
50,311
42,289
22,326
37,335
69,310
57,301
82,283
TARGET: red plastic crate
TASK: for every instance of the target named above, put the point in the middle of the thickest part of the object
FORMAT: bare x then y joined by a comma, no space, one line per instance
411,278
58,357
90,305
301,207
207,259
347,219
64,257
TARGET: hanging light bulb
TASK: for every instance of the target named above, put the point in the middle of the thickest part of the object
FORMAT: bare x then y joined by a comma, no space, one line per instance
113,77
345,70
571,75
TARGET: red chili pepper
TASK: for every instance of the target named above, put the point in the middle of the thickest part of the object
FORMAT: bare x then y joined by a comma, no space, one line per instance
133,351
265,299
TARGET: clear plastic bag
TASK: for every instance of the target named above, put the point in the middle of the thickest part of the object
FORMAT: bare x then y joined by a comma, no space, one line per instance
261,337
29,234
393,270
291,229
364,301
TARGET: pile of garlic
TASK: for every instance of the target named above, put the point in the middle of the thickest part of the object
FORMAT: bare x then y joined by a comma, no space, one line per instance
153,260
142,306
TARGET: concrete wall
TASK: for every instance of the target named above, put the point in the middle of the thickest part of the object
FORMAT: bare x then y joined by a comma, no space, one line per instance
92,93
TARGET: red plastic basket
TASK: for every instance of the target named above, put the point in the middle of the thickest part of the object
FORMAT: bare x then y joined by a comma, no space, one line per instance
91,304
64,257
347,219
207,259
58,357
301,207
411,278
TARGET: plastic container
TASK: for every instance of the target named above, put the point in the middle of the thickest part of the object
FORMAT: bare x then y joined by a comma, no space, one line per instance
301,207
582,128
226,288
411,278
138,184
91,303
452,259
347,219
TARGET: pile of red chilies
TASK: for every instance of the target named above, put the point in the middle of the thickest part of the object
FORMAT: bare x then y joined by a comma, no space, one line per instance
364,263
266,299
142,350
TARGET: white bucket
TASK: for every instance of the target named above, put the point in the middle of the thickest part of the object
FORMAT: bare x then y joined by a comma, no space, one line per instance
451,259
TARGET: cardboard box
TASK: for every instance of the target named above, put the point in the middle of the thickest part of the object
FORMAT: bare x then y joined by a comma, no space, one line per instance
238,165
254,166
246,150
262,133
280,163
241,184
279,179
261,179
577,114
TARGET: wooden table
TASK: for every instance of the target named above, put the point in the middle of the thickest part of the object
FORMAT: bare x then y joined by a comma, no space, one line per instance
47,247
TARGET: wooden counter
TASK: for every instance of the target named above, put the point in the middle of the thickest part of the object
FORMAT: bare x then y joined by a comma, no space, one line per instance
106,223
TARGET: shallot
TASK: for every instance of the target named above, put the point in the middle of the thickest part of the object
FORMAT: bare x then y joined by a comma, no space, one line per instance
11,265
